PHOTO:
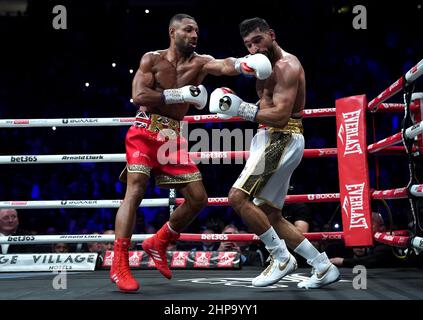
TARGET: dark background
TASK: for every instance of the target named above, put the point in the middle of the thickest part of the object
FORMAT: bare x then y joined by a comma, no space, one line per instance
43,72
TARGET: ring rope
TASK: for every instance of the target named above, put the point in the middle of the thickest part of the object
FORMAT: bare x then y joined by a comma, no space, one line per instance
127,121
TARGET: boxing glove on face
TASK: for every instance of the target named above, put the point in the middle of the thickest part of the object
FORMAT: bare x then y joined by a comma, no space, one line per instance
257,65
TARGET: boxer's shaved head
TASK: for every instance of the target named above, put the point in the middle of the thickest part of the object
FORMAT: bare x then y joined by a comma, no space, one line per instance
183,32
177,18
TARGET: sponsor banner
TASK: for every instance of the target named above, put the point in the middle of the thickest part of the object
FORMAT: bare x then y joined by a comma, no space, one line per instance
226,259
179,259
48,262
135,258
182,260
353,171
202,259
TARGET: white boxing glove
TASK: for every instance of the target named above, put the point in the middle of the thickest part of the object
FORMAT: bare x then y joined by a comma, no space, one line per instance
197,95
257,65
223,116
223,101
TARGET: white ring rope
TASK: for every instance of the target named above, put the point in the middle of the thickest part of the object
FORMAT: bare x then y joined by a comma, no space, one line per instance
414,72
72,204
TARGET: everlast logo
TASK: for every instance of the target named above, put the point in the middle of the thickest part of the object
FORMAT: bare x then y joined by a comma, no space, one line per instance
23,159
20,238
353,203
351,130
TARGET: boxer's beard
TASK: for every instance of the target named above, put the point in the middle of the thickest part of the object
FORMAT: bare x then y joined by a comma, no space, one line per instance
184,48
269,53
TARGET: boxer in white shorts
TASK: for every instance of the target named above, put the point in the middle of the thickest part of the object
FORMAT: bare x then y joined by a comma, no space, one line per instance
268,181
258,194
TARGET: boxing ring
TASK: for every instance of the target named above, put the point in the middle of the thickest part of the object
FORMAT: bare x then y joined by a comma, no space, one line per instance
227,284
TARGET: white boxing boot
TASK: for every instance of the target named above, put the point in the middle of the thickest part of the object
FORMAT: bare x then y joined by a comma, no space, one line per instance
324,273
277,269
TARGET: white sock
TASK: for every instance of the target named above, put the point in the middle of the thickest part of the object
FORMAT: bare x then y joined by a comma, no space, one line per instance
306,250
318,260
275,245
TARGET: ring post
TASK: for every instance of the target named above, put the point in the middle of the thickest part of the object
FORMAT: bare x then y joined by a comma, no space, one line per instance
354,171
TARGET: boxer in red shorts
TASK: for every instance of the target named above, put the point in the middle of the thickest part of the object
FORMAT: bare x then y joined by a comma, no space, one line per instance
166,83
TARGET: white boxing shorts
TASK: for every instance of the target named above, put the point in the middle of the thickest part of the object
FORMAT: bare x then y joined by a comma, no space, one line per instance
274,155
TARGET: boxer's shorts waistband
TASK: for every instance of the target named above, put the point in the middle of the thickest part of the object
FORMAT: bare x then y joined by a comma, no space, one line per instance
156,122
293,126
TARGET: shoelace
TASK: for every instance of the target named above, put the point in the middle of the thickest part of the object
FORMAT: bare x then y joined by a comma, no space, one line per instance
123,272
269,267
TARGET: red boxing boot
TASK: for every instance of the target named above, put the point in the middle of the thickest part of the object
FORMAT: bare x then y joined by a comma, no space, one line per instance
120,272
156,246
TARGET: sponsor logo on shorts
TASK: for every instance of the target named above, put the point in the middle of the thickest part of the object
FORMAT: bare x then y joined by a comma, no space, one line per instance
23,159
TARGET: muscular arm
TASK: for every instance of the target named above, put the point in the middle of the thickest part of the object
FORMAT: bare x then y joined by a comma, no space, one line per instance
220,67
143,93
284,94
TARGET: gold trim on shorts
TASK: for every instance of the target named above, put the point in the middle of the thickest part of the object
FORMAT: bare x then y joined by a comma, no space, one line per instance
134,168
272,155
167,126
164,179
293,126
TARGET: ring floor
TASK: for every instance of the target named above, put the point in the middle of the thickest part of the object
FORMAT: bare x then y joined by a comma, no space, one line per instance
382,284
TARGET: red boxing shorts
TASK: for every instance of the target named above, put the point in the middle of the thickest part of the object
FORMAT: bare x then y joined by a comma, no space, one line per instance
154,144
